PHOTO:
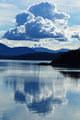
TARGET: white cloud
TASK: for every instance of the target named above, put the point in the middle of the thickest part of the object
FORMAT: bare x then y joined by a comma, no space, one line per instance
68,5
18,3
57,22
7,13
48,11
22,18
42,21
7,6
74,31
2,33
76,36
74,28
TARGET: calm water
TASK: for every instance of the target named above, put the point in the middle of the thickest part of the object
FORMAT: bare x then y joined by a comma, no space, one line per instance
32,92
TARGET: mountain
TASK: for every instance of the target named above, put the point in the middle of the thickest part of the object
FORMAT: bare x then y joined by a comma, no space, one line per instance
7,51
36,56
62,50
79,48
68,59
16,51
41,49
25,53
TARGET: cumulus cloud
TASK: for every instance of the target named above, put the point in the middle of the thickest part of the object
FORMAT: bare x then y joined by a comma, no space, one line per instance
22,18
42,28
16,34
47,10
76,36
2,33
41,21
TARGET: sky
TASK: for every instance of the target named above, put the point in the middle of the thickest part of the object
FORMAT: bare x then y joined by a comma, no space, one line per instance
9,9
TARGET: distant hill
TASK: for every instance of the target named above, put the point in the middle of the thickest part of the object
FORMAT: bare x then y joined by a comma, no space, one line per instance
7,51
25,53
16,51
36,56
41,49
62,50
68,59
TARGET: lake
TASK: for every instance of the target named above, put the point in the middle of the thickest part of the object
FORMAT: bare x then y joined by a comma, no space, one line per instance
32,92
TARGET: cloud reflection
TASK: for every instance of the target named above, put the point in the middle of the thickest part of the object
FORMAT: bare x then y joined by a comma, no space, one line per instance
40,91
39,97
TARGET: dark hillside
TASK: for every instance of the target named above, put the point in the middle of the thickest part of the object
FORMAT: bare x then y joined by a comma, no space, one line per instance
70,59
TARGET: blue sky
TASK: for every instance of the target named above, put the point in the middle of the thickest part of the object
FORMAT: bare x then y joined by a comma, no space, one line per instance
10,8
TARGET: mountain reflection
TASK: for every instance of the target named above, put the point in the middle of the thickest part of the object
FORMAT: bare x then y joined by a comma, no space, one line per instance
39,97
71,74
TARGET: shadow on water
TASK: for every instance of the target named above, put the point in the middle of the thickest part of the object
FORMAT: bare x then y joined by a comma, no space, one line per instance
71,74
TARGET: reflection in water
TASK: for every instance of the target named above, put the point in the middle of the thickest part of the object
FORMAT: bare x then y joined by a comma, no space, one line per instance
40,97
73,74
42,89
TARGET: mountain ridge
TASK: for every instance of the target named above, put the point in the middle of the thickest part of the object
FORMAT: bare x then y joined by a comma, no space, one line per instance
16,51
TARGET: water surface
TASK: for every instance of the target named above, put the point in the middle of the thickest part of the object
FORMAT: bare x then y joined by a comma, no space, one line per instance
33,92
